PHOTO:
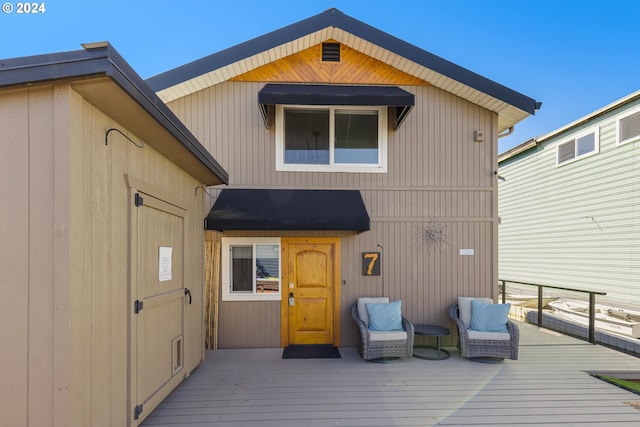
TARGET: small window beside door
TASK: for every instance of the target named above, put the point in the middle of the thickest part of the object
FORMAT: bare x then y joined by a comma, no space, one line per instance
250,269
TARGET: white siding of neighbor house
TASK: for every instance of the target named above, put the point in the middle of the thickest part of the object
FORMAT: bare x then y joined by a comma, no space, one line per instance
574,225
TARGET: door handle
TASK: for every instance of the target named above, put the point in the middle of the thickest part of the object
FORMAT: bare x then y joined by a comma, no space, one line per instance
291,300
188,292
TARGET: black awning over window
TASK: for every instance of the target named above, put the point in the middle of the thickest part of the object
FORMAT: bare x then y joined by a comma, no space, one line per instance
299,94
239,209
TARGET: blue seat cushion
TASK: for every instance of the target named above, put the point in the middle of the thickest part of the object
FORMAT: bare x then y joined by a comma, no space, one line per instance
489,317
385,317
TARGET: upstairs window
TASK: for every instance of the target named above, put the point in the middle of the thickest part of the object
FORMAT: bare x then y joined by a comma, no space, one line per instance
581,146
331,139
629,128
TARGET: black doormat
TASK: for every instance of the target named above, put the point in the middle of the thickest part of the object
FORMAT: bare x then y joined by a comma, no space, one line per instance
311,352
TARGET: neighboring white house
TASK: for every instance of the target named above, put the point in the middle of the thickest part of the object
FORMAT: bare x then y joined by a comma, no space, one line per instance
569,205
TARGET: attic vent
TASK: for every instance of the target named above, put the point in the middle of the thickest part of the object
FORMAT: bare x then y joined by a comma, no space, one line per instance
331,52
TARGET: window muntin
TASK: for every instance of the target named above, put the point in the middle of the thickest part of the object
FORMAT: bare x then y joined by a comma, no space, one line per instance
583,145
250,269
331,139
629,128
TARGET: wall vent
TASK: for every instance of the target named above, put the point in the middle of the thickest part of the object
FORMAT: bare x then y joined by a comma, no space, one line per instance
331,52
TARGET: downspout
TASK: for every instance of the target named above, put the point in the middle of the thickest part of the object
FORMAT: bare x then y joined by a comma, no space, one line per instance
496,219
507,133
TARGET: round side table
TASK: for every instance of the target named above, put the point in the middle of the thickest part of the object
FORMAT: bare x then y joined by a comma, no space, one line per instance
428,353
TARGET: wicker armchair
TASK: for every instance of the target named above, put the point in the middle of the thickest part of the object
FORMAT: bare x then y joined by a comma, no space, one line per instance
379,345
483,344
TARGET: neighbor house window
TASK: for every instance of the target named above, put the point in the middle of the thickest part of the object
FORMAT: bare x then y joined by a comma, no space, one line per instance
629,128
250,269
581,146
331,139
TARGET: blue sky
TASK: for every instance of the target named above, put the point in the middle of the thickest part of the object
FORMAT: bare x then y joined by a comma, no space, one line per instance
574,56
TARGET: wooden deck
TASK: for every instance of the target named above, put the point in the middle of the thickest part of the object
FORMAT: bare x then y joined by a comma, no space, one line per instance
547,386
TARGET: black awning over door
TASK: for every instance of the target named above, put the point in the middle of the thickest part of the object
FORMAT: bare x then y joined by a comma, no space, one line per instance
260,209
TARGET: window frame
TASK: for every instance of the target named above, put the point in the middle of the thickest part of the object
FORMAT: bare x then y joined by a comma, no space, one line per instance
383,125
596,146
226,244
626,114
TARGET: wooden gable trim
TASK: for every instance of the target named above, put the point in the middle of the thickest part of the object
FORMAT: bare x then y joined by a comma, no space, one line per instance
307,66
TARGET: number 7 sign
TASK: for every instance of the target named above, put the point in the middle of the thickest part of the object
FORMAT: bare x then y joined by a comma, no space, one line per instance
370,263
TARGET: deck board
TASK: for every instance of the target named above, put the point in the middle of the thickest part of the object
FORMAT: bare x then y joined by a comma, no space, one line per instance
548,386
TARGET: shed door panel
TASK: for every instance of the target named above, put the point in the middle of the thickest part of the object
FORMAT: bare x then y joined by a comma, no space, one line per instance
160,293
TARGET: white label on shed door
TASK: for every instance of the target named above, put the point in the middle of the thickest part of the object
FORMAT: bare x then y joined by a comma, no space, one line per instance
164,263
466,252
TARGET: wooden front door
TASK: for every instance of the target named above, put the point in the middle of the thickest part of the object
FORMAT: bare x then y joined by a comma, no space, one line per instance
311,291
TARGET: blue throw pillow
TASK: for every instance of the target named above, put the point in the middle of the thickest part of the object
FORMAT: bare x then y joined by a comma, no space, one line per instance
489,317
385,317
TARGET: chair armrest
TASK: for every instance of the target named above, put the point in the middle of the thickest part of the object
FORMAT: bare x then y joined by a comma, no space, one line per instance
514,331
359,323
455,316
408,326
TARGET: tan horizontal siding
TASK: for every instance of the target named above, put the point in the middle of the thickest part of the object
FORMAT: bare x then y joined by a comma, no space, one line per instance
433,148
414,205
426,277
249,324
437,176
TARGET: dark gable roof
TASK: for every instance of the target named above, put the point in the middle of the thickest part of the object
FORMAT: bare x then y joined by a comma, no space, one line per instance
335,18
99,60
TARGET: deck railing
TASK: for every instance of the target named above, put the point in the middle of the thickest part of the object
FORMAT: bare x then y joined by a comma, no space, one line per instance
592,302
